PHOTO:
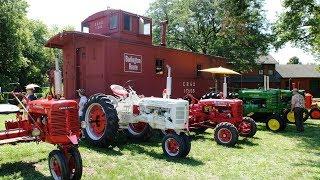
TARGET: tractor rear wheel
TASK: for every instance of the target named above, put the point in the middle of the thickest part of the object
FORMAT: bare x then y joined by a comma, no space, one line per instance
174,145
101,121
248,127
75,164
275,123
226,134
139,131
289,115
315,113
58,166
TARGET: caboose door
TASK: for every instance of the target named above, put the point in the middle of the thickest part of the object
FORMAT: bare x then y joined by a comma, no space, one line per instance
80,68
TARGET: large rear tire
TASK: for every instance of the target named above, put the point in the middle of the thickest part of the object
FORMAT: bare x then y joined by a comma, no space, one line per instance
248,127
315,113
226,134
101,121
275,123
58,166
139,131
289,116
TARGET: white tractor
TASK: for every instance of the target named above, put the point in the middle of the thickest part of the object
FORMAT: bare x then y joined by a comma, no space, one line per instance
103,115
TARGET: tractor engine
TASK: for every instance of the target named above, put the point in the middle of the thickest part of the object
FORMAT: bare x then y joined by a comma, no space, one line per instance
170,113
56,121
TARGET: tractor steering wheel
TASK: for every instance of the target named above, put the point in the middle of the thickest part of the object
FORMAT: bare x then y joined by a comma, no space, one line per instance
191,99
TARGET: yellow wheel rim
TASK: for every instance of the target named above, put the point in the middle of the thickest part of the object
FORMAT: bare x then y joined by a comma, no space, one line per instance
290,117
274,124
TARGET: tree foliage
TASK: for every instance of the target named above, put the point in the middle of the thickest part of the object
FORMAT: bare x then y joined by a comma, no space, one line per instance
299,24
229,28
294,60
23,57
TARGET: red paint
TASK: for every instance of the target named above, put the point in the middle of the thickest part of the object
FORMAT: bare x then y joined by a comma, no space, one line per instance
93,61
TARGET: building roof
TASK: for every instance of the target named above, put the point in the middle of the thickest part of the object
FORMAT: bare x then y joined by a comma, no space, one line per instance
298,71
268,59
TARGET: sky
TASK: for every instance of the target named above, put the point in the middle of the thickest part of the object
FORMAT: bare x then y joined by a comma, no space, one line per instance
72,12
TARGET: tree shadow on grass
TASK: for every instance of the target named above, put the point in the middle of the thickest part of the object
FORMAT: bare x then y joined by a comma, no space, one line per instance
247,142
26,170
309,138
110,151
312,166
139,149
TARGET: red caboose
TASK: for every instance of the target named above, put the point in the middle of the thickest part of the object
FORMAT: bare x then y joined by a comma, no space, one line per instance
118,48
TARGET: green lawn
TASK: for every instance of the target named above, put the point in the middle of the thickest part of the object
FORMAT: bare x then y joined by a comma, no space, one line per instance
268,156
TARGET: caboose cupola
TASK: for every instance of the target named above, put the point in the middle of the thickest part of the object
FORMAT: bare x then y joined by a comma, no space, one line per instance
119,24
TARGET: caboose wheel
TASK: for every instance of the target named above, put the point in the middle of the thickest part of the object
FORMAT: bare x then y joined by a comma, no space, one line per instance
139,131
75,164
174,146
248,127
315,113
101,121
58,165
226,134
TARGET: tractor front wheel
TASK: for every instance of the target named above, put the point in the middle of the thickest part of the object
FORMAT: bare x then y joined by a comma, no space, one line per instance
226,134
75,164
248,127
175,146
101,121
139,131
275,123
315,113
58,166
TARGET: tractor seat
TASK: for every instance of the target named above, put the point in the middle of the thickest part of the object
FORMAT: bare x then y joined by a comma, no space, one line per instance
118,90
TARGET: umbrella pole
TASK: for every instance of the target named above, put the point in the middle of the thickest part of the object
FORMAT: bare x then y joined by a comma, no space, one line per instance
225,87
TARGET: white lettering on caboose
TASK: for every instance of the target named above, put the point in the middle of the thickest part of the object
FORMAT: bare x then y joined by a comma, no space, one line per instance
132,63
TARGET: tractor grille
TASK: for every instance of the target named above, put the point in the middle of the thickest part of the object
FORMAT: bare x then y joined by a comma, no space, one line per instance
181,115
64,121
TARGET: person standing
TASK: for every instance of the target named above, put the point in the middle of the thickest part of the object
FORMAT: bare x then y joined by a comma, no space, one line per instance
297,106
83,100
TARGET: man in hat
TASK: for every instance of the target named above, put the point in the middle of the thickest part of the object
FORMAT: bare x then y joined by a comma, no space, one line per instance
83,100
297,105
30,94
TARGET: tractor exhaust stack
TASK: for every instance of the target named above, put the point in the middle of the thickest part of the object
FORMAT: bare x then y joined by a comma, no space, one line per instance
169,82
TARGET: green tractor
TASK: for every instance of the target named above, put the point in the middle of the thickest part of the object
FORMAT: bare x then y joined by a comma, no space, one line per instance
269,106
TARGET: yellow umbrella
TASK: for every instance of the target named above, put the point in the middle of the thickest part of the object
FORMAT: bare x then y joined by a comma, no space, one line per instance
224,71
220,70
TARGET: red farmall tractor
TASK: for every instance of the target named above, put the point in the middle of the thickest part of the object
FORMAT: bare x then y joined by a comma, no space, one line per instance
52,121
225,115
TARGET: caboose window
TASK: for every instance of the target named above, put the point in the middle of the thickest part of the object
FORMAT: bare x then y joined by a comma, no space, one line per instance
113,22
127,22
199,67
159,66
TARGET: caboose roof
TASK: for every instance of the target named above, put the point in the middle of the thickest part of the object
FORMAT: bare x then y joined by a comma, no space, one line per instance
60,39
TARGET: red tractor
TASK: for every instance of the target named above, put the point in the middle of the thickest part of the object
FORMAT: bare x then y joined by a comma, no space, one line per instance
225,115
52,121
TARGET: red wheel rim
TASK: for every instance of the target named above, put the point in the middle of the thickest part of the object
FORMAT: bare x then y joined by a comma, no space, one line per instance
55,167
172,146
97,120
245,127
315,114
224,135
138,127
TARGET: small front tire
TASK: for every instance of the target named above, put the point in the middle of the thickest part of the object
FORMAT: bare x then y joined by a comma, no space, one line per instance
58,166
226,134
174,146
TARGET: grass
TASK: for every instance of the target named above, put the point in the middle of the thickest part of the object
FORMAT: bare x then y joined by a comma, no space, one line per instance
287,155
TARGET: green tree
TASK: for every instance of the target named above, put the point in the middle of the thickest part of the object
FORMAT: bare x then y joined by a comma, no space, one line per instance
294,60
12,23
299,24
229,28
